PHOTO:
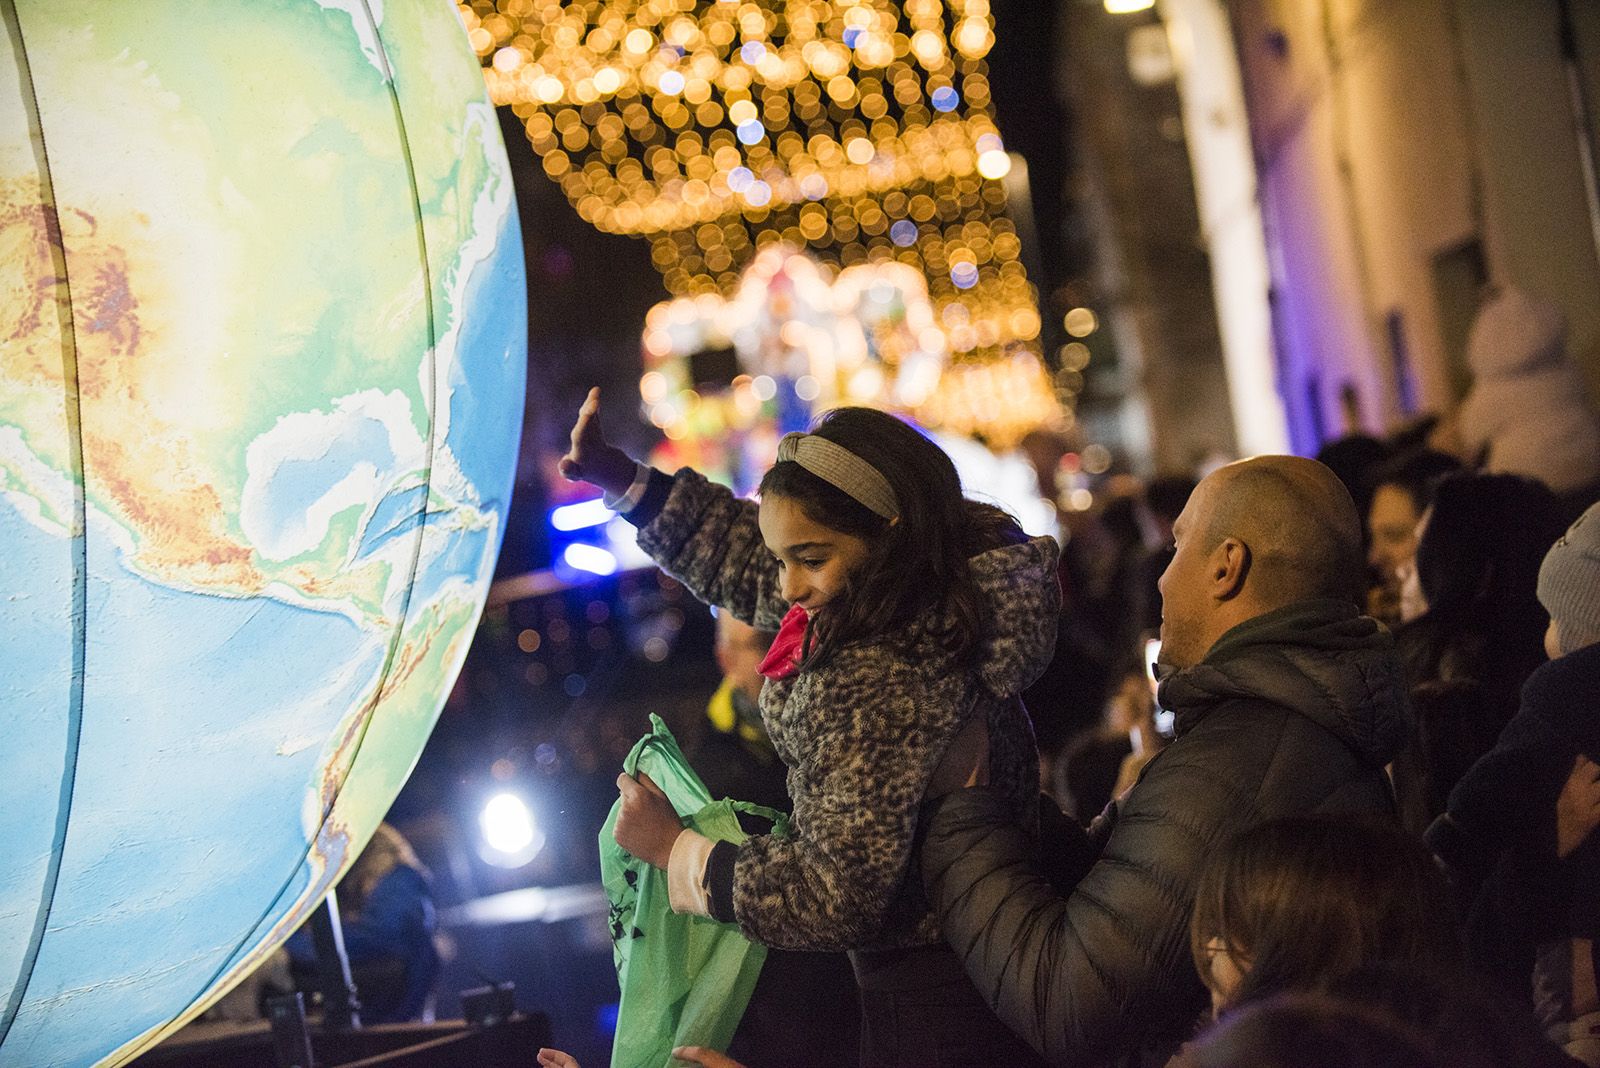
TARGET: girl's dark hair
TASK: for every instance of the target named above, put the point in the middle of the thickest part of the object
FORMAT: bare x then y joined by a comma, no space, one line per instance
1481,550
1468,655
915,567
1415,473
1303,900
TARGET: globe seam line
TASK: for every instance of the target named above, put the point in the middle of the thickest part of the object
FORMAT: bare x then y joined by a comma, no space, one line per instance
416,554
80,540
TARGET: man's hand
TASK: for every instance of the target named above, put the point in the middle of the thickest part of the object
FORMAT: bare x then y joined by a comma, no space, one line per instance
1578,807
648,824
593,459
554,1058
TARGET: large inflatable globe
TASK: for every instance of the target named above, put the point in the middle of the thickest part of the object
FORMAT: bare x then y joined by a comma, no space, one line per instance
262,346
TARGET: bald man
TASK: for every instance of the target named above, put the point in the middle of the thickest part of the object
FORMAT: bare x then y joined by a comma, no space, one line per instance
1287,700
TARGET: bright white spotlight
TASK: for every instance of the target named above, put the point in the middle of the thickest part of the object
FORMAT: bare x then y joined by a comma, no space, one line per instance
580,515
590,558
994,163
511,838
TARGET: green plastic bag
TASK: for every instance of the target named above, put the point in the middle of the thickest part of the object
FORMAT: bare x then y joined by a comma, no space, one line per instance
685,979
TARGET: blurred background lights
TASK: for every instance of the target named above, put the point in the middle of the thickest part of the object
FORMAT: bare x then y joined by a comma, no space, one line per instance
1096,459
995,163
1074,356
510,836
590,558
1080,322
859,132
634,106
591,513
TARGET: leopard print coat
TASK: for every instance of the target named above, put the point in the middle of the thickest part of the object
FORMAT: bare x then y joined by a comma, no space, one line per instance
862,733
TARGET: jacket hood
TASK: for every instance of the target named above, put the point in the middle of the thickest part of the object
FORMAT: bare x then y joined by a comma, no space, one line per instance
1515,333
1321,659
1566,693
1512,789
1023,605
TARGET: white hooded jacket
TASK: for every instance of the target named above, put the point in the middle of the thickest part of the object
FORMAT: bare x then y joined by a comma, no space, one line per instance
1527,412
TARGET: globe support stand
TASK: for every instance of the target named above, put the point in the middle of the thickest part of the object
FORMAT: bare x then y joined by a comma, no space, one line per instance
341,1010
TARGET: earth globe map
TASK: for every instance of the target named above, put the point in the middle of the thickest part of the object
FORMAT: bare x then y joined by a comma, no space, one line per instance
262,358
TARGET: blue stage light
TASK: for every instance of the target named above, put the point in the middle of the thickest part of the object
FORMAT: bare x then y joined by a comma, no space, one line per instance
580,515
590,558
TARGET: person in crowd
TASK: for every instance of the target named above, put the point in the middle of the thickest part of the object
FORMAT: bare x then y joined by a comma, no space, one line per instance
803,1011
1383,1014
1517,836
1086,775
1104,764
1353,457
1401,491
1110,600
1287,700
1069,696
1527,412
733,755
1311,1030
909,619
1294,903
387,915
1462,1023
1480,632
1164,500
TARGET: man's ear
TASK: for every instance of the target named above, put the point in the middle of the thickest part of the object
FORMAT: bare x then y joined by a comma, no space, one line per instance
1230,566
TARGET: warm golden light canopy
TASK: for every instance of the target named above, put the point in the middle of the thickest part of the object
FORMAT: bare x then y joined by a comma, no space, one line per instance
858,130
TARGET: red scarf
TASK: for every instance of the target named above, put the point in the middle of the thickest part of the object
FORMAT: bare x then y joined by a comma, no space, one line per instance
783,659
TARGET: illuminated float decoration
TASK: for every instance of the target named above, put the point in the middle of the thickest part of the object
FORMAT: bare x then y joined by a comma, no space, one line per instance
725,378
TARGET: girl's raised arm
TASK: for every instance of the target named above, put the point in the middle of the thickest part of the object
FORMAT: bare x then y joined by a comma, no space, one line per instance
591,458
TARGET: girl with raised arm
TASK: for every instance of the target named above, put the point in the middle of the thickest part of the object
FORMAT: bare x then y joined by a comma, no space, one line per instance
909,620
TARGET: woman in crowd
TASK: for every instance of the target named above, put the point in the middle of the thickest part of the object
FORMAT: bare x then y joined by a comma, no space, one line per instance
1475,629
1517,836
1400,491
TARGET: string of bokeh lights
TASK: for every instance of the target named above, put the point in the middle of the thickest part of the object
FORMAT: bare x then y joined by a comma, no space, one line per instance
859,130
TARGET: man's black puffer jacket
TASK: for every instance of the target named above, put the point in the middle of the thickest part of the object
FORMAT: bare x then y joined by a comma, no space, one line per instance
1295,711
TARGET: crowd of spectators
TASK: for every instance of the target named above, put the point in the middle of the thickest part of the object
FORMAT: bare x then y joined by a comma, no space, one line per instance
1458,927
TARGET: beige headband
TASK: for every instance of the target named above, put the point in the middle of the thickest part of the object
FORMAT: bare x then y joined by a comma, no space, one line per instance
842,469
